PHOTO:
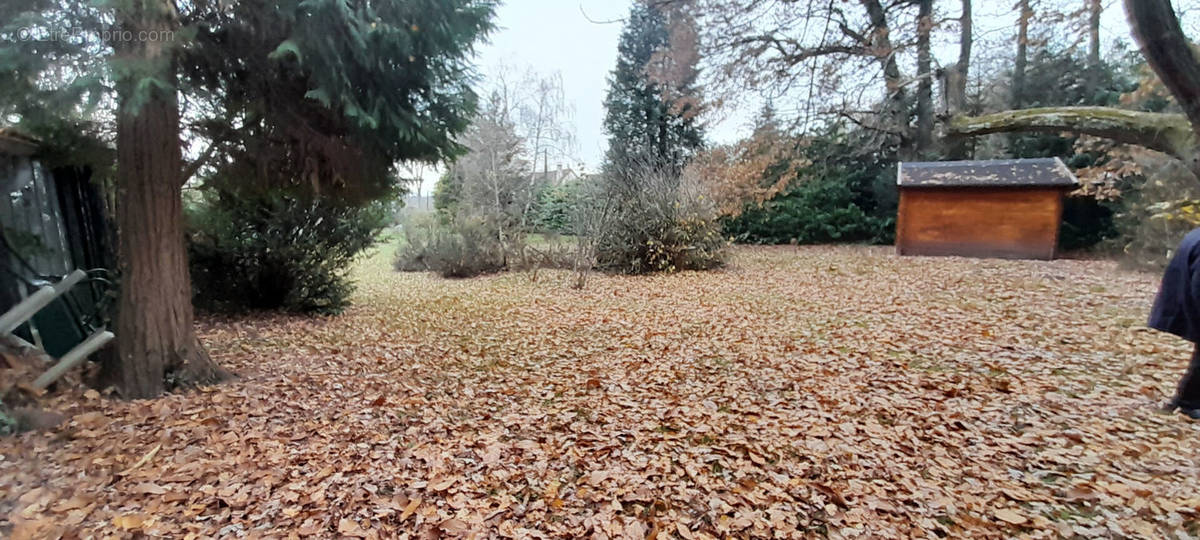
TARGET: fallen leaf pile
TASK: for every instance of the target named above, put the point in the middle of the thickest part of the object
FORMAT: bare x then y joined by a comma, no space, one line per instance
813,392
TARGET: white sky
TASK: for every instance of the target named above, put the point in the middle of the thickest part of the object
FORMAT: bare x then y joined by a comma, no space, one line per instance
556,35
578,38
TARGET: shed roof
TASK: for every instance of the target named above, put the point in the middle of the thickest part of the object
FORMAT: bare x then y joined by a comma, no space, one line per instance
1040,172
17,143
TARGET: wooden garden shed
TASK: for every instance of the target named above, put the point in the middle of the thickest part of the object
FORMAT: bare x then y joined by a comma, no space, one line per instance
998,208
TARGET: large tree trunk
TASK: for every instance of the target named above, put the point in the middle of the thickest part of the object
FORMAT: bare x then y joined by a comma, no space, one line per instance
155,337
894,103
1167,133
925,74
955,83
1169,53
1022,59
1095,8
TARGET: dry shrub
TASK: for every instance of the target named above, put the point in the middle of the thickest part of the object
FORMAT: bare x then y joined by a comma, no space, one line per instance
457,248
1162,206
656,221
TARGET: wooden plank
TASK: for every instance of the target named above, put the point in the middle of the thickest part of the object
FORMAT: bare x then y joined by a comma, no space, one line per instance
1008,223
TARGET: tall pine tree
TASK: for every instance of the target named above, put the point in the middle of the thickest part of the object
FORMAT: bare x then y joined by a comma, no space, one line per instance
649,120
344,87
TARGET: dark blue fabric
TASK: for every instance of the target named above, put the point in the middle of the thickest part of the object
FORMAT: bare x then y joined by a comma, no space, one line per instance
1187,396
1177,307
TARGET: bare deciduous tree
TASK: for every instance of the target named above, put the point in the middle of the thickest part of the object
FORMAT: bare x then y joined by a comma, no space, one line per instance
493,176
1157,30
545,121
836,58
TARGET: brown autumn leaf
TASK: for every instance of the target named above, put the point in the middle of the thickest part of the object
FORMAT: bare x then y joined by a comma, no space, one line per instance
350,527
443,484
1008,515
149,488
131,522
454,526
410,509
801,389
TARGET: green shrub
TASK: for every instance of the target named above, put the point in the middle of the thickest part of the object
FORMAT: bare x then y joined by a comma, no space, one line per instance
555,206
277,252
452,248
8,424
1086,222
816,211
644,244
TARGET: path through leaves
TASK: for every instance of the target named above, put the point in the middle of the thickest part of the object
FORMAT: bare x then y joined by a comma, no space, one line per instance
819,392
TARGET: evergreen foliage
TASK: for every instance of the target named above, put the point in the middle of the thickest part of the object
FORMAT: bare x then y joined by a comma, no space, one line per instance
323,97
277,252
309,106
53,84
1056,78
302,108
555,207
643,125
845,194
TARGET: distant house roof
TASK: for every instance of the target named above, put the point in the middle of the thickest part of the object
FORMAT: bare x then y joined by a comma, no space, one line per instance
555,176
1041,172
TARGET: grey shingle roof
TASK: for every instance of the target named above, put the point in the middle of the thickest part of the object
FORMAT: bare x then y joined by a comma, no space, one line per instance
1041,172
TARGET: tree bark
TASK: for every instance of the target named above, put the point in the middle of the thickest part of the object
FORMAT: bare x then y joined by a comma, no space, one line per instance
1169,53
1095,8
955,82
881,44
925,77
1167,133
1022,59
156,343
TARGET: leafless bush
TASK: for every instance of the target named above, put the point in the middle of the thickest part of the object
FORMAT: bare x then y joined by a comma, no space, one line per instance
648,218
590,217
459,249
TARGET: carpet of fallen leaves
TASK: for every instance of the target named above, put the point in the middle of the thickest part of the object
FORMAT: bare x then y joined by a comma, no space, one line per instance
813,392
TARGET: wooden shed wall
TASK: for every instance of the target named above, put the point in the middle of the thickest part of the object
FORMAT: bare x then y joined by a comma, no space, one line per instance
979,222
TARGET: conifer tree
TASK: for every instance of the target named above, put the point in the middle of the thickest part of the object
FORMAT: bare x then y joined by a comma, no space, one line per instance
336,88
647,121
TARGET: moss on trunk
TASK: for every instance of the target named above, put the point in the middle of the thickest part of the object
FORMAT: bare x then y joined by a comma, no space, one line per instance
1167,133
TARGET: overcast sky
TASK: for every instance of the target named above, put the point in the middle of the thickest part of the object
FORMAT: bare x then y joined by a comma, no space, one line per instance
557,35
578,38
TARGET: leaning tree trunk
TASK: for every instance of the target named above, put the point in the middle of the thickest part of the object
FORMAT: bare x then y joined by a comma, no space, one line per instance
1167,133
155,337
1169,53
1157,31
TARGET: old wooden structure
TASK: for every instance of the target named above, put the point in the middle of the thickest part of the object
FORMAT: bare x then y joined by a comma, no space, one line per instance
997,208
52,222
